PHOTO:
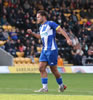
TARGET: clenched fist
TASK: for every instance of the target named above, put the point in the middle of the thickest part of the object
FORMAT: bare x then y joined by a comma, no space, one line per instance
69,42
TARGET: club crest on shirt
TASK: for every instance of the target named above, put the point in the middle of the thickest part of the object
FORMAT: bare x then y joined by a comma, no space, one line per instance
43,34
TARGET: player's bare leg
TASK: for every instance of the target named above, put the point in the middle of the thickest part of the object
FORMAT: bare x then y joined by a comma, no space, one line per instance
42,69
55,71
58,78
44,79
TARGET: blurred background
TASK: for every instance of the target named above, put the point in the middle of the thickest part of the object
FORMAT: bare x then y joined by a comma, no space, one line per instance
74,16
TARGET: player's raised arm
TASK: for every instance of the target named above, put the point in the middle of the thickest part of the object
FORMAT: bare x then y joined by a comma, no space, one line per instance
33,34
61,31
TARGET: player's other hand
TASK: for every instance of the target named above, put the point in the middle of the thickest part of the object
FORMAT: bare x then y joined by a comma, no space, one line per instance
69,42
29,31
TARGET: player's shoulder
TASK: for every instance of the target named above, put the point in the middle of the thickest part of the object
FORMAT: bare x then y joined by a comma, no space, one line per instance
50,23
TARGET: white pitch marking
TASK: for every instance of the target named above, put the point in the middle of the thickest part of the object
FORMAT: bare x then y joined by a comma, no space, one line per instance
51,90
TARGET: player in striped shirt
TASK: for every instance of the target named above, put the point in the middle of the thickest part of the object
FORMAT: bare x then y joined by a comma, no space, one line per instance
49,52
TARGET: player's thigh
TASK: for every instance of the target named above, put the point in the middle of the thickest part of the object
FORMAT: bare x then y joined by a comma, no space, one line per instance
52,58
54,69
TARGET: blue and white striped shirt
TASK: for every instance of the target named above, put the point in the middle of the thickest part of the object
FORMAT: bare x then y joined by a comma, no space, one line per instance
48,34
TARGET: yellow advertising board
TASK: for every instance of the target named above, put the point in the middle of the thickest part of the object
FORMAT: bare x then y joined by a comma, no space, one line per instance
24,69
68,69
34,68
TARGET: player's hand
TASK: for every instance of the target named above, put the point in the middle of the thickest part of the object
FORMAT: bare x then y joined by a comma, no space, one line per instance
69,41
29,31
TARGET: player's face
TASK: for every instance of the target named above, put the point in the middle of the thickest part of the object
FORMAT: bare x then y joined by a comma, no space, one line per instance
39,19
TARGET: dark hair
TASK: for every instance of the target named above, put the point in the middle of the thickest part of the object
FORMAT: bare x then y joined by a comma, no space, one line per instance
43,13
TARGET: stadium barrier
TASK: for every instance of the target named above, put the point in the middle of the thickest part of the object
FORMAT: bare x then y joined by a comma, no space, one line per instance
34,69
5,58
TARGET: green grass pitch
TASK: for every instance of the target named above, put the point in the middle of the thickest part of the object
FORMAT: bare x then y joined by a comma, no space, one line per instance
22,86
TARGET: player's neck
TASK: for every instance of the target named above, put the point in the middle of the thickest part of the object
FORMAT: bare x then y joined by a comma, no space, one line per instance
43,21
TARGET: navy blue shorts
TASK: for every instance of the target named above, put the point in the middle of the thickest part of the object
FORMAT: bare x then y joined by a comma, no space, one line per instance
49,56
